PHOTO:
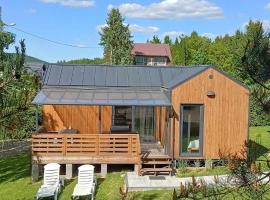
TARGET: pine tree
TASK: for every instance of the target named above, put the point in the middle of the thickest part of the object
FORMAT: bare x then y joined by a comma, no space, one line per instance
255,62
167,40
17,89
155,40
116,39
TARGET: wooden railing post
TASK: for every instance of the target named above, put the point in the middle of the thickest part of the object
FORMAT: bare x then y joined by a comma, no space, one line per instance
138,149
64,141
130,145
97,144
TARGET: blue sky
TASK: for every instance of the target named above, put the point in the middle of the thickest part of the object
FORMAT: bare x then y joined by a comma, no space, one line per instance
77,21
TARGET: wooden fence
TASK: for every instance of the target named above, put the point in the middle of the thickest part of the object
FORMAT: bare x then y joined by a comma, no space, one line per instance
44,144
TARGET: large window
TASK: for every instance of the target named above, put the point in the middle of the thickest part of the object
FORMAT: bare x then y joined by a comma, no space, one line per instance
122,118
140,60
137,118
191,130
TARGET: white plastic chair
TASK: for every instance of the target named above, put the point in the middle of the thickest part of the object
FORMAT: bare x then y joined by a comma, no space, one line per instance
51,185
86,182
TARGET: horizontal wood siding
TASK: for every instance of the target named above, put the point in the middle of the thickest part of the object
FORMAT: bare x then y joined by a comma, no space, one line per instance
225,116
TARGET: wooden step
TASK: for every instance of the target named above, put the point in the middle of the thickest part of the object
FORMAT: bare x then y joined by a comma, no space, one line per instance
155,157
156,162
156,170
143,170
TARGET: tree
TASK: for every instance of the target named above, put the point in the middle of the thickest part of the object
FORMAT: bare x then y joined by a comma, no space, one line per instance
17,89
116,39
255,61
85,61
167,40
176,41
155,40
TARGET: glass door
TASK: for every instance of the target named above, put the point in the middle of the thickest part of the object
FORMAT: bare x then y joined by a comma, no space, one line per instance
191,130
144,123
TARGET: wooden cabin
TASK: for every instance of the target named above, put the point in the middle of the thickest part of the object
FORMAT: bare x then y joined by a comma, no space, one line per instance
128,114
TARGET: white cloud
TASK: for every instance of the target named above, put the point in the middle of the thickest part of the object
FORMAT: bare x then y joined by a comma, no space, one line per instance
267,7
143,29
173,34
72,3
266,24
171,9
100,27
134,28
212,36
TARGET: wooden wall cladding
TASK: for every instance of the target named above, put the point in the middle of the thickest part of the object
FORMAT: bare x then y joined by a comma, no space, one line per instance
225,115
106,119
83,118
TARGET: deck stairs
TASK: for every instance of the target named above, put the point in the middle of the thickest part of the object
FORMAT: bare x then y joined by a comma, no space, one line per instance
154,161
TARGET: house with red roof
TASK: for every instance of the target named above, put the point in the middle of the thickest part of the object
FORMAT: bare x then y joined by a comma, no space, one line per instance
151,54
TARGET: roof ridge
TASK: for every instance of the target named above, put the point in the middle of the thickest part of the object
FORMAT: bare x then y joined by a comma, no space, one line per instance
139,66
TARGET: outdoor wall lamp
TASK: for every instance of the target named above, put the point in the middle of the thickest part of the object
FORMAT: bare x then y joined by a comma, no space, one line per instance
211,94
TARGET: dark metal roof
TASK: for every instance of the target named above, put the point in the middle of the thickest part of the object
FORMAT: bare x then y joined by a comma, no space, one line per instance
118,76
102,96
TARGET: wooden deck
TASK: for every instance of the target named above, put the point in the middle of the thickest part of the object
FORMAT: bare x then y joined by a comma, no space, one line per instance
86,148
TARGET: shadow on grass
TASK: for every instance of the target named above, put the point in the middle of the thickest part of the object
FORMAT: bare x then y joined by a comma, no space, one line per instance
257,150
99,183
14,168
149,195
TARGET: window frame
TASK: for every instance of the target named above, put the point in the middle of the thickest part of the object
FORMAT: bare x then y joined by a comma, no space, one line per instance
201,132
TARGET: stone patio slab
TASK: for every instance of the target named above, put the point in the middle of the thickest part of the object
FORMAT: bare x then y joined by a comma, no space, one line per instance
135,182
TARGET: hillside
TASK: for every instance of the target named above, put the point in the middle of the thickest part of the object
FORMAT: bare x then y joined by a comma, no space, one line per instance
33,59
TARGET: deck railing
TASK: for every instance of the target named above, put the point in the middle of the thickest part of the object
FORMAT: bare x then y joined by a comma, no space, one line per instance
45,144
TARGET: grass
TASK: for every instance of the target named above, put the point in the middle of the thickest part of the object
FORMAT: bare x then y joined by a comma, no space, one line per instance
150,195
16,183
260,135
106,188
185,172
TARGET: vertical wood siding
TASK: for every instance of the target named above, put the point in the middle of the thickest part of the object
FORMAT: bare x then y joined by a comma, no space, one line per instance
160,124
225,116
106,119
83,118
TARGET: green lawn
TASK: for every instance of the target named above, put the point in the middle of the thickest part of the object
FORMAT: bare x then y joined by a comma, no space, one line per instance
261,136
16,184
220,170
15,181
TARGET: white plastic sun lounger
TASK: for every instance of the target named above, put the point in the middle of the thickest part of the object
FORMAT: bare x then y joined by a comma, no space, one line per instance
86,182
51,186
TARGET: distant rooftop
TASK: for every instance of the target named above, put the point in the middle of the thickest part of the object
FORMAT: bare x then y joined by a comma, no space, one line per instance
149,49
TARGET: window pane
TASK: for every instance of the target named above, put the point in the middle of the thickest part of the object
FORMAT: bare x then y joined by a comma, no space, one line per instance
144,123
191,129
122,116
